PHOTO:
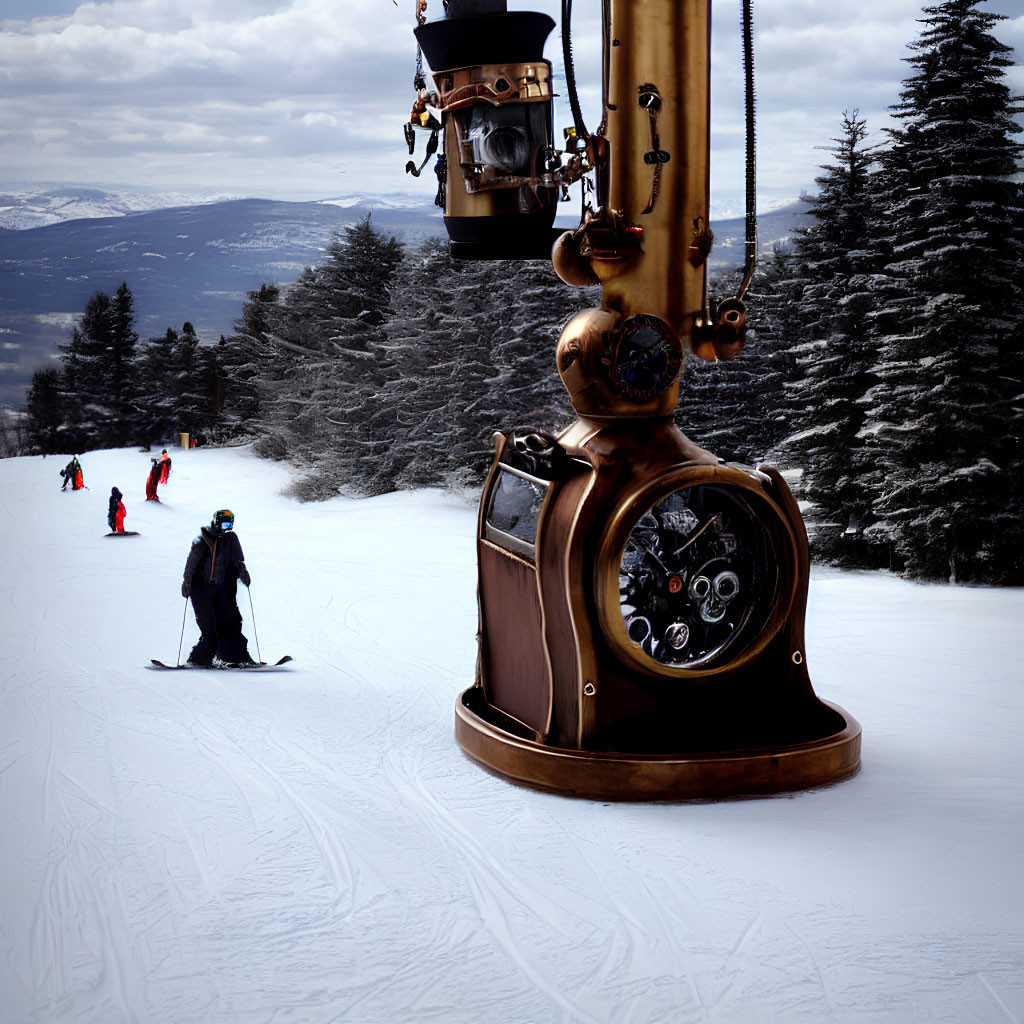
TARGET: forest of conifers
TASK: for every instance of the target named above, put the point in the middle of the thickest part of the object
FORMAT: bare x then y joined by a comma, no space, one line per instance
884,366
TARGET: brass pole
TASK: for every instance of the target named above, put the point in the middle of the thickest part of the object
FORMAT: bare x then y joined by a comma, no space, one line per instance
659,54
647,242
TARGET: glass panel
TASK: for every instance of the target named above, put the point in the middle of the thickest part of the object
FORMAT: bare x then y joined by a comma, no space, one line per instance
515,506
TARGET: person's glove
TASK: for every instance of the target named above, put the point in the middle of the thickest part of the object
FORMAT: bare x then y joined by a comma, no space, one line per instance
243,574
186,590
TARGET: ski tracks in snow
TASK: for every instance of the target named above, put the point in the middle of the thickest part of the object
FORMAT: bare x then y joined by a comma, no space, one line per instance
79,896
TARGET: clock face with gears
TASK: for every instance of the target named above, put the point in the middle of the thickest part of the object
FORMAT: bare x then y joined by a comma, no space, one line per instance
646,360
697,577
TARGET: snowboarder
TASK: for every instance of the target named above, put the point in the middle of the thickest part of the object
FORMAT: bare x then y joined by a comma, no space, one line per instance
72,474
165,466
212,570
152,480
116,512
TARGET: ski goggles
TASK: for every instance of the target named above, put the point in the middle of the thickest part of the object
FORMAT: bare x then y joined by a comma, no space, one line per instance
224,519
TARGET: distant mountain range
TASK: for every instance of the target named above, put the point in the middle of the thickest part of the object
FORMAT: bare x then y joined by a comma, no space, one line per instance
194,261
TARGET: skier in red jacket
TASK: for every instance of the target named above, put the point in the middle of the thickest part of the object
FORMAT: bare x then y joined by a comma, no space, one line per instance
152,480
116,512
165,466
72,474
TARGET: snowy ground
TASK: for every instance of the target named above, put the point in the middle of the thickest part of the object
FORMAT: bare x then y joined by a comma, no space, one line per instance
311,846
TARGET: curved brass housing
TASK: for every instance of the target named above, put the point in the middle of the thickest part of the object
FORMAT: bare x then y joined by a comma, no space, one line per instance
584,360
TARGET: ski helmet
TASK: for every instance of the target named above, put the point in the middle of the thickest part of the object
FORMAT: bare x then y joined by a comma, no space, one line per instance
224,519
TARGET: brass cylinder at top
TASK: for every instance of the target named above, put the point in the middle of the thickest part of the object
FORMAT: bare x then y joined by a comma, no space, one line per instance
648,240
658,96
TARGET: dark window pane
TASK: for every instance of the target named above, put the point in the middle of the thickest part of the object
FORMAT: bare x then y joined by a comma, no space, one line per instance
515,506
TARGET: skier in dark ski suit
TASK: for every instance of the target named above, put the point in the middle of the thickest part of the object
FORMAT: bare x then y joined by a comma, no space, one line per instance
212,570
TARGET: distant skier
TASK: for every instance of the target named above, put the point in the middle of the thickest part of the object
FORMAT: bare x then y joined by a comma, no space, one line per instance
152,480
72,474
213,567
165,467
116,512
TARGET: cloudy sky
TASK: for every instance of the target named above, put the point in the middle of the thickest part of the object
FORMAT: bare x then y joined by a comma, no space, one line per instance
300,99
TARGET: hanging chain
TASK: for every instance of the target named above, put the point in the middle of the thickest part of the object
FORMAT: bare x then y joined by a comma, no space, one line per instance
420,81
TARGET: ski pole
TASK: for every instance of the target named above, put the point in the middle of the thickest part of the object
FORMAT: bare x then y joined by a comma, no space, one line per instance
182,638
255,637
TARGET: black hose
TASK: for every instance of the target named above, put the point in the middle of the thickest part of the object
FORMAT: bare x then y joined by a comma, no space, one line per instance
570,73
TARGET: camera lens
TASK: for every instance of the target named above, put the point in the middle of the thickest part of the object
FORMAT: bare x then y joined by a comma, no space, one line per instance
506,147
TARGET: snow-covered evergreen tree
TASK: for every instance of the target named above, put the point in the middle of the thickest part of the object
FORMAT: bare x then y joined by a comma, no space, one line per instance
157,377
327,369
945,418
119,367
527,391
98,363
44,407
198,386
840,259
736,408
434,414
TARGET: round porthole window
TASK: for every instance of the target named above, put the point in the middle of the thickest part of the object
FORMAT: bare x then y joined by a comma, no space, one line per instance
698,577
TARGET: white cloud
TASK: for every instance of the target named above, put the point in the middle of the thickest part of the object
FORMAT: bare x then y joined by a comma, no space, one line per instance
309,96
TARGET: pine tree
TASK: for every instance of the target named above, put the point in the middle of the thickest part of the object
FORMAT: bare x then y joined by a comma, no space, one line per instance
326,335
156,374
840,260
44,407
87,396
118,365
247,359
734,408
527,391
945,418
438,356
197,384
101,390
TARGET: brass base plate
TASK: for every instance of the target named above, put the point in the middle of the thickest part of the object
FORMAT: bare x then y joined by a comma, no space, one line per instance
599,775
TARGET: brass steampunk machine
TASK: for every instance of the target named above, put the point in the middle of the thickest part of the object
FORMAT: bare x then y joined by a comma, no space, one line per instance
641,602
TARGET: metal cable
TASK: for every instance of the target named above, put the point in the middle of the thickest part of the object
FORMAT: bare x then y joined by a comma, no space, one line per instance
747,29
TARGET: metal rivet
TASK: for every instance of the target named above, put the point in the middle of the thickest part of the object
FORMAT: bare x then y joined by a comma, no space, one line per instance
798,658
590,689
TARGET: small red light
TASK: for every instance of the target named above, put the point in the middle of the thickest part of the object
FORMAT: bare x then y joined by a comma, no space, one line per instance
634,229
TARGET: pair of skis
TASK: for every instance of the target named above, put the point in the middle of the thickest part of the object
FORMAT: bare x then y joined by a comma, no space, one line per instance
256,666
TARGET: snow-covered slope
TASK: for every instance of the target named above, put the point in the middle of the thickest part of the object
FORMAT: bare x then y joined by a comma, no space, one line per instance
311,845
